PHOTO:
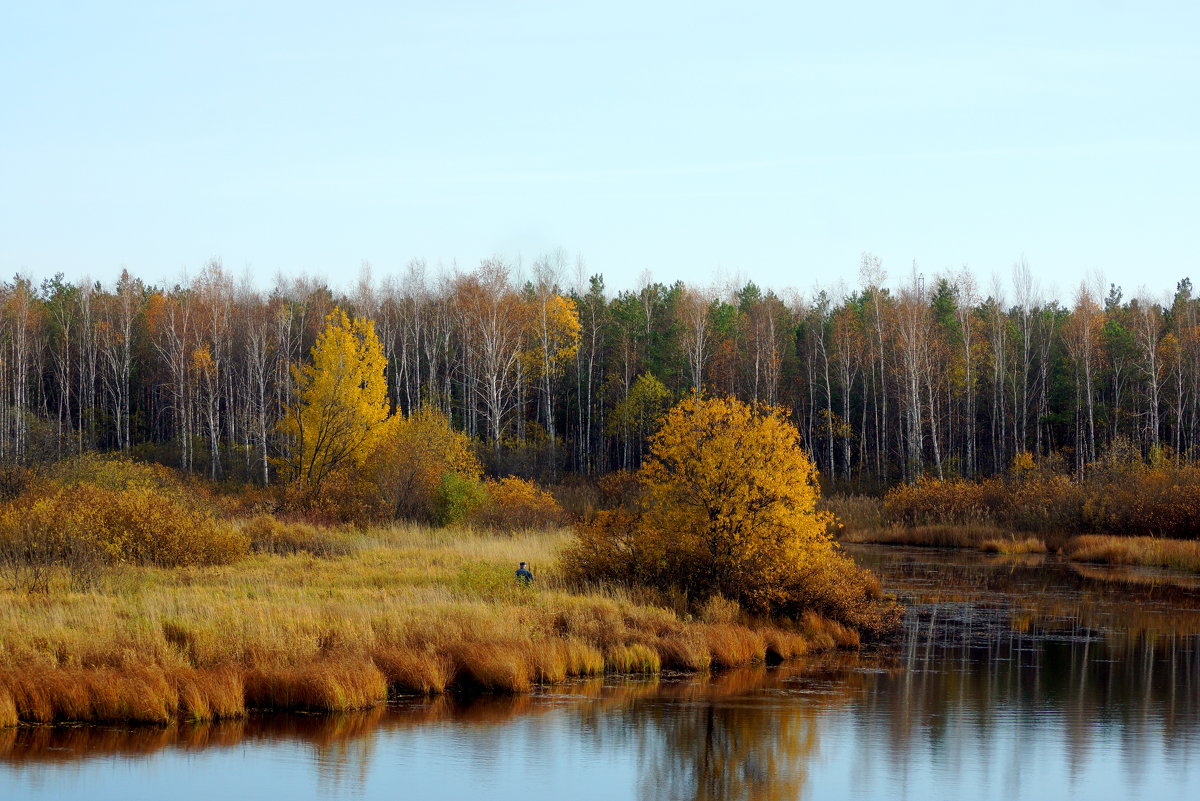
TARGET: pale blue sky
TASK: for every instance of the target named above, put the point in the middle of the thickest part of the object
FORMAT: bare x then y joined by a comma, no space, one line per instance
775,141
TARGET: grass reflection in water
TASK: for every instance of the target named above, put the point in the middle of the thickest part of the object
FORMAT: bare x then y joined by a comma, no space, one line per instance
1012,675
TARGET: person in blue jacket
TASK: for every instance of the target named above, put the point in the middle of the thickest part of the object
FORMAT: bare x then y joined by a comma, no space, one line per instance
523,575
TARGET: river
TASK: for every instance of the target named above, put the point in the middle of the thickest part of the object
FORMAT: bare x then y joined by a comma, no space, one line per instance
1016,678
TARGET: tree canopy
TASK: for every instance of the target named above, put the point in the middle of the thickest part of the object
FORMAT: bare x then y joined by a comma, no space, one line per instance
727,507
341,400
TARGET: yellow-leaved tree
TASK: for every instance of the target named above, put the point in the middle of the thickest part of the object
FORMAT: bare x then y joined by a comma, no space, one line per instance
727,507
341,401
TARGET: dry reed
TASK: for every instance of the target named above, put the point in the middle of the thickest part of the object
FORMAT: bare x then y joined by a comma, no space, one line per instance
1145,551
1012,546
410,610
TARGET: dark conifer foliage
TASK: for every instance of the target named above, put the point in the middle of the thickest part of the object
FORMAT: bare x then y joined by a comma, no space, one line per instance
935,375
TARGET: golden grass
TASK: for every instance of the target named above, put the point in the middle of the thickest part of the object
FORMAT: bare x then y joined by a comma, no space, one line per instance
990,539
783,645
1145,551
1014,545
633,658
853,512
731,645
410,610
936,536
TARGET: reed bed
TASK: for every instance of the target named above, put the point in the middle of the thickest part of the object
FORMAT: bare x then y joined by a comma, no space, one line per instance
1144,551
986,538
406,610
1014,545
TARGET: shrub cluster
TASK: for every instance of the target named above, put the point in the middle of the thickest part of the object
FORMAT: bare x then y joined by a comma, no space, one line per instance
1138,500
725,506
515,503
91,513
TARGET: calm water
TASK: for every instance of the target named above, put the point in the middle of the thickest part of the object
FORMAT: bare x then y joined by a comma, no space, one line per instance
1015,679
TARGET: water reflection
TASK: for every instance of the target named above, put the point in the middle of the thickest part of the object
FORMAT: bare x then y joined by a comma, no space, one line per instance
1019,678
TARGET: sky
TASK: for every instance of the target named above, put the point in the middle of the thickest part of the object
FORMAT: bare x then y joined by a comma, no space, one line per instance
708,142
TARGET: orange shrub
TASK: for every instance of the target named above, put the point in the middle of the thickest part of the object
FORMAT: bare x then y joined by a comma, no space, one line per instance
931,501
84,526
709,521
515,503
1111,499
412,455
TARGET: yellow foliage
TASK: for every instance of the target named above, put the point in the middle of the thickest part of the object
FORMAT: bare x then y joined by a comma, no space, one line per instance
728,507
556,338
515,503
730,488
341,401
83,527
1023,463
411,456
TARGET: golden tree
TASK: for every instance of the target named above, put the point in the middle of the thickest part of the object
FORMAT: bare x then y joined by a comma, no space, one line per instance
728,507
341,400
729,484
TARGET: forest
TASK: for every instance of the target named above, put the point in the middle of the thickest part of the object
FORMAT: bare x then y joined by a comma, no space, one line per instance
935,376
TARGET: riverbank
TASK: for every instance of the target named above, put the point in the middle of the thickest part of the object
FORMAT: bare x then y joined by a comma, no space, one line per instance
1175,554
407,609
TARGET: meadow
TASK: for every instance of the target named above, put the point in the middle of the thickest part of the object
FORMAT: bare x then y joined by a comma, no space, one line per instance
339,619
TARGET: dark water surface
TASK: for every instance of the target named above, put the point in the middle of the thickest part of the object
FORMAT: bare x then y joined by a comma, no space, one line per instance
1024,678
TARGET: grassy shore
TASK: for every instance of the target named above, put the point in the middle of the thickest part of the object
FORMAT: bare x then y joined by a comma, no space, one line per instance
861,520
400,610
1142,551
991,539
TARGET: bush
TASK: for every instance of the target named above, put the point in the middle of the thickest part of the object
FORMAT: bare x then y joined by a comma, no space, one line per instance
413,455
515,503
116,473
727,508
84,526
457,497
1114,497
270,535
343,497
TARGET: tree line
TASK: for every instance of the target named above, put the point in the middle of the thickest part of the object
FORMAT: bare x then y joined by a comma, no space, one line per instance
930,375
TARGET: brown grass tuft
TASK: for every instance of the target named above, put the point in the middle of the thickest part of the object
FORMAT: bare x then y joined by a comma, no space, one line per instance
582,659
1013,545
783,645
686,650
931,536
734,646
825,633
415,670
324,686
210,694
634,658
499,666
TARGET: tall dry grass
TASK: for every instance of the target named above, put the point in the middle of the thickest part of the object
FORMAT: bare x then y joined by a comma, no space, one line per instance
986,538
409,609
1145,551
